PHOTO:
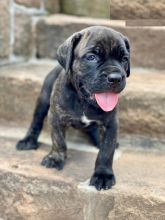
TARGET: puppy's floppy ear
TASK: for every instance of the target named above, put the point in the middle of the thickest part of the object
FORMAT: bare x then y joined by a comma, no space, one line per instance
127,44
65,51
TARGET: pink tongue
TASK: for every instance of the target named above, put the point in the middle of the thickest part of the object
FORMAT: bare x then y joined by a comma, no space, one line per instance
107,101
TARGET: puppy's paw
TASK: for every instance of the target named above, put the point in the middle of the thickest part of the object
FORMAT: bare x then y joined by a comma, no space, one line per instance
28,143
103,180
53,161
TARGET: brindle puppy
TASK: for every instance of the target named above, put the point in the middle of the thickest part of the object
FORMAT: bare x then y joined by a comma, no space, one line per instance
84,89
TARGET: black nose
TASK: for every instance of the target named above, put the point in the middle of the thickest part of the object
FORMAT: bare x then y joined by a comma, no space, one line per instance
114,78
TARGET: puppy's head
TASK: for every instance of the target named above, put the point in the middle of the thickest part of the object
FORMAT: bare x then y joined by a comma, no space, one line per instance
97,61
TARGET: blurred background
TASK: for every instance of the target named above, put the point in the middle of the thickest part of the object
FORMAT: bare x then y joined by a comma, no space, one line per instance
30,33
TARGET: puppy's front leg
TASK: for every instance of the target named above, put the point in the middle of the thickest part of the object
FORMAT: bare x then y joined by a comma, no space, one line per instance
56,157
103,177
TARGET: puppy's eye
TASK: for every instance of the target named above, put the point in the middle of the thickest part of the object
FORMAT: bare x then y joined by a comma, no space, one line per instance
124,59
91,57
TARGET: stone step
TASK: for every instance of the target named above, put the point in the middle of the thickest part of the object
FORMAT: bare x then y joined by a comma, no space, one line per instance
30,191
147,45
116,9
139,9
74,138
141,106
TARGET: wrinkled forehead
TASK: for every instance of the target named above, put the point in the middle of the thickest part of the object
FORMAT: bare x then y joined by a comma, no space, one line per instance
105,40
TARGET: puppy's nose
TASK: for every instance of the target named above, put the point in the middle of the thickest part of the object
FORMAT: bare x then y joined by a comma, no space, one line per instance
114,78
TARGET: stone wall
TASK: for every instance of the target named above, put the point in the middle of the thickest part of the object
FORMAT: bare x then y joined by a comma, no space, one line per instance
17,27
5,29
19,19
116,9
94,8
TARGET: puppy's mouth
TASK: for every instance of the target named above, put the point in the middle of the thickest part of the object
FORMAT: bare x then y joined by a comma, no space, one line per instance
107,101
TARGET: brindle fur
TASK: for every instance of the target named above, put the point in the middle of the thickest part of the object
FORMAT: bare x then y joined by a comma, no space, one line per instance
74,81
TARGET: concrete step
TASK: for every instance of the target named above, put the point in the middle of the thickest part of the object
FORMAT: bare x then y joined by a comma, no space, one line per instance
147,45
30,191
141,106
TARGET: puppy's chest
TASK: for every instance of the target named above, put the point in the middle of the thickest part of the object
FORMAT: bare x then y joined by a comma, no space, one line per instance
84,117
85,120
78,119
76,114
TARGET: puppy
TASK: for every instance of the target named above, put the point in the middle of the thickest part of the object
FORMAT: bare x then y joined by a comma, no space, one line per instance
83,91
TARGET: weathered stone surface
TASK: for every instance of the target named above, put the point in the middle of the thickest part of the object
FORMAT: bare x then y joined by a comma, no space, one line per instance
23,35
77,140
145,40
37,193
95,8
133,209
5,28
141,105
30,191
53,6
138,9
29,3
21,86
53,30
146,22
